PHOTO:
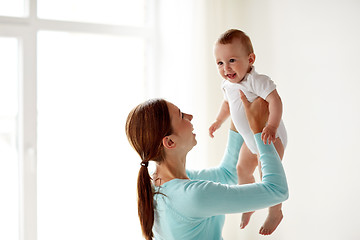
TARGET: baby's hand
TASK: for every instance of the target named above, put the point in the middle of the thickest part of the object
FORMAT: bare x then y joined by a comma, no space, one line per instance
268,134
215,126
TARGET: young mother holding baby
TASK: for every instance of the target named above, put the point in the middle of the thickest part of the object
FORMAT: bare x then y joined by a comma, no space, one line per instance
179,204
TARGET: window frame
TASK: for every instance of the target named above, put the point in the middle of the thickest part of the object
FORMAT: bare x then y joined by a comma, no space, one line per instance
25,29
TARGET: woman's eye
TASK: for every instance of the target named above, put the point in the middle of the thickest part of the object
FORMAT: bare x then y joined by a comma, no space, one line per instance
182,115
232,60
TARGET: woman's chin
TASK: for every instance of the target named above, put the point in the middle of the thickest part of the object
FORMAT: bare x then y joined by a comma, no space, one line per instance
194,141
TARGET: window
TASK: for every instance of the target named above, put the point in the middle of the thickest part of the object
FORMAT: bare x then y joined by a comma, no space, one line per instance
83,102
123,12
14,8
9,167
71,72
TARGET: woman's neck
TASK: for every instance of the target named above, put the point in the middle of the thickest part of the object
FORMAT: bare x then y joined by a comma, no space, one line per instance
169,169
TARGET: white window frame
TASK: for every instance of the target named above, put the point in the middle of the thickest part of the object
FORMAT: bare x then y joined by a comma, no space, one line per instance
25,29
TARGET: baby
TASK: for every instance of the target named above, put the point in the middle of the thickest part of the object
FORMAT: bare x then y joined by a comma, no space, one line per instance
235,58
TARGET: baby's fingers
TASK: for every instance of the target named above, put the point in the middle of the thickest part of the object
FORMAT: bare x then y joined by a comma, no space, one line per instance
264,137
273,138
211,131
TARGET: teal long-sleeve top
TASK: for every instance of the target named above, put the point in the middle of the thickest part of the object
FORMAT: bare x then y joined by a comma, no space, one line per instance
194,208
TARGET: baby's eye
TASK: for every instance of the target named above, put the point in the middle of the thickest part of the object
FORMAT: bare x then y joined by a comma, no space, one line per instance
232,60
220,63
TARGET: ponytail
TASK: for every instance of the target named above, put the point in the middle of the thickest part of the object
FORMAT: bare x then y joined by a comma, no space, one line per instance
146,126
145,202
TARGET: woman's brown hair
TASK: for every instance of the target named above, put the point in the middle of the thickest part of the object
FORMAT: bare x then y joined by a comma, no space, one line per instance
146,125
231,34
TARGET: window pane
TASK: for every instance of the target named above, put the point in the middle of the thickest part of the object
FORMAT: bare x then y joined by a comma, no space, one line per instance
121,12
86,168
13,8
9,168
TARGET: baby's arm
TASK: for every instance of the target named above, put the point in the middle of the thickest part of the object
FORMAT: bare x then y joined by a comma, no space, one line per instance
223,114
275,109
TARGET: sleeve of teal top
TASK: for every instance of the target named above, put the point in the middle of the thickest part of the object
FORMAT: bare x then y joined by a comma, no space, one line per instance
226,171
207,198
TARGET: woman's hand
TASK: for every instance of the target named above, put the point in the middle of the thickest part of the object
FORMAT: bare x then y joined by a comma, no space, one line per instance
257,113
232,126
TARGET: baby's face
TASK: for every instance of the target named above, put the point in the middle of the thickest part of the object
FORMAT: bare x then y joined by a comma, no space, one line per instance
232,61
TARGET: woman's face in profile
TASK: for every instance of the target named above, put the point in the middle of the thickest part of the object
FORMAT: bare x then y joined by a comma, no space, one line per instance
182,128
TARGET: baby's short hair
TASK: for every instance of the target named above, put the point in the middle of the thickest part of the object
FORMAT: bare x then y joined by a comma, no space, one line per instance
231,34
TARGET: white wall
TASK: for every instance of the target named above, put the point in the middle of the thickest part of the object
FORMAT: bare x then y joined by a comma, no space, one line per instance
179,63
311,50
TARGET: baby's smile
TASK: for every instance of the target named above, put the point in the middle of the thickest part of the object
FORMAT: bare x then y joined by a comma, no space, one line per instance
231,76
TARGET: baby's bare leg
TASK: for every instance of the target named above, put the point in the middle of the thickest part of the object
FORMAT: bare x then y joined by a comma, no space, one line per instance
245,170
246,165
275,214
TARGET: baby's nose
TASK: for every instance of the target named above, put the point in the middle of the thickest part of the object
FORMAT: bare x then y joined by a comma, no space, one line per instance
227,67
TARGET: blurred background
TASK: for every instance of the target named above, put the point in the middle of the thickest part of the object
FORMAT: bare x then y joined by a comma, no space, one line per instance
70,71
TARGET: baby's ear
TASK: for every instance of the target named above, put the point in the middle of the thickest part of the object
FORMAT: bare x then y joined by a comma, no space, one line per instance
251,58
168,142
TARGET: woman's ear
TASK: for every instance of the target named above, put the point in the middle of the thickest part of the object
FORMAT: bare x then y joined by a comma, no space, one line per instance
168,142
251,58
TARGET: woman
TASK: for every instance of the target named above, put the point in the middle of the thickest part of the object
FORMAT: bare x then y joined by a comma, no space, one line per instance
180,204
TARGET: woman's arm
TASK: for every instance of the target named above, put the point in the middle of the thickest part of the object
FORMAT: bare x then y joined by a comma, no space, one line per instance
210,198
226,172
207,198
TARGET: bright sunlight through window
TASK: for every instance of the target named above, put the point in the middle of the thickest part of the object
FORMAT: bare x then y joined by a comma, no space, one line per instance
86,168
9,173
71,71
14,8
120,12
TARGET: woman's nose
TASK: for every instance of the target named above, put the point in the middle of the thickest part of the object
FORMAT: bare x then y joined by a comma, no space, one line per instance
189,116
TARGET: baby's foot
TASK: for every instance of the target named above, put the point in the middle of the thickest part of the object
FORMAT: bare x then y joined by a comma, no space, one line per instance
245,218
272,221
